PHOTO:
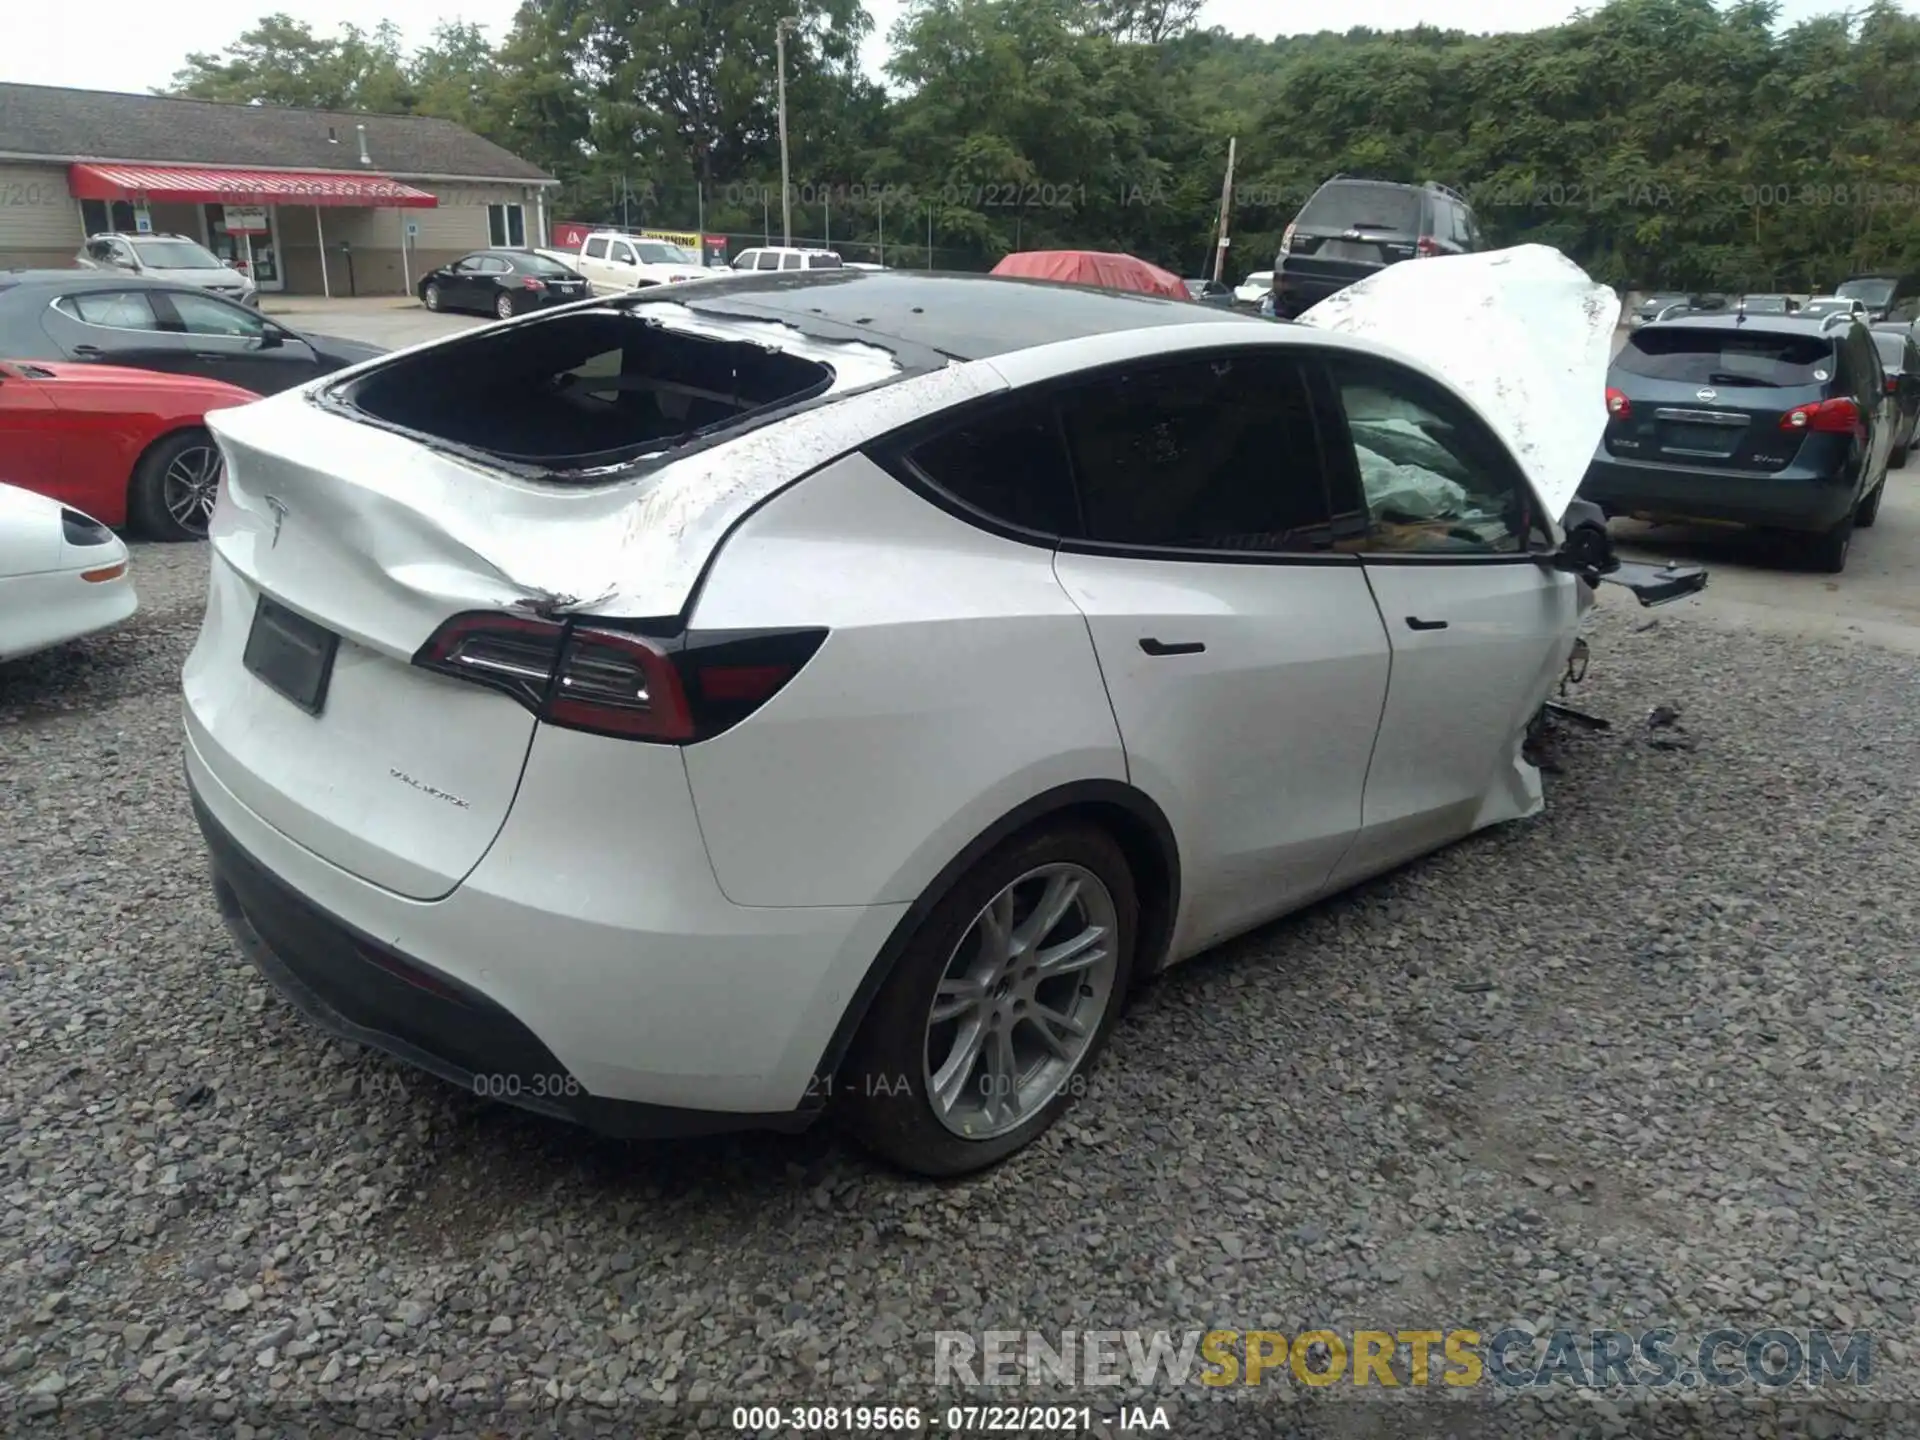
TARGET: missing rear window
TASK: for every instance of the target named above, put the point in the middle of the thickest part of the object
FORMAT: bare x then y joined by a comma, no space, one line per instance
584,391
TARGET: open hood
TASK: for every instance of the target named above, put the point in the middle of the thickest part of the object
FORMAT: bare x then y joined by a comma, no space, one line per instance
1525,334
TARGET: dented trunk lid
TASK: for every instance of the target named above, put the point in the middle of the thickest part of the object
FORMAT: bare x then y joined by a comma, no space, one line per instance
371,538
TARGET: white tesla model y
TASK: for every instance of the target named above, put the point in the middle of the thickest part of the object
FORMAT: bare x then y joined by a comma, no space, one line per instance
832,692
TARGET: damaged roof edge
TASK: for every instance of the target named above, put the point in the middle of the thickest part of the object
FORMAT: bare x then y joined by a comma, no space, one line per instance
461,536
853,365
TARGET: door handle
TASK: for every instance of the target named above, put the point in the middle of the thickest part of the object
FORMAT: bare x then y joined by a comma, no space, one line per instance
1176,647
88,350
1414,622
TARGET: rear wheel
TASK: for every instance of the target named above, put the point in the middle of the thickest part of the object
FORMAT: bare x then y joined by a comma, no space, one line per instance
1827,551
431,298
504,307
174,486
983,1033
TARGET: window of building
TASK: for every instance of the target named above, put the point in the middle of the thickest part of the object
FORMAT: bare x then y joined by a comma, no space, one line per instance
507,226
103,216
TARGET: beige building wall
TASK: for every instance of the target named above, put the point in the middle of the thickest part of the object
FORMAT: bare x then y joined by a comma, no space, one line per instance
40,225
446,232
39,218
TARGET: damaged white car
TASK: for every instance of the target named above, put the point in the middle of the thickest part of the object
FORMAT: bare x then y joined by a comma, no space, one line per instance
722,706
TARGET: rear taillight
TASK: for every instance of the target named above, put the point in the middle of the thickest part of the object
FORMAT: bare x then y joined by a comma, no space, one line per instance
1426,247
1893,384
675,691
530,283
1618,405
1826,417
1286,239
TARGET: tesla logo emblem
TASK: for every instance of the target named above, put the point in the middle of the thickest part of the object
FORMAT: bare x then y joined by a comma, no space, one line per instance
279,518
1706,394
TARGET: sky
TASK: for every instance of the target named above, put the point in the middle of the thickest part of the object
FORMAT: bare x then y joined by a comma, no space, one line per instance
136,44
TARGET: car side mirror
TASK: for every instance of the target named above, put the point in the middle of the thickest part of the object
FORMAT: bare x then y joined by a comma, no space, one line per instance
271,339
1587,552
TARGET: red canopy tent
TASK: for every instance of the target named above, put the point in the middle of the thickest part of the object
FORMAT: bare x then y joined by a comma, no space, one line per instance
1093,267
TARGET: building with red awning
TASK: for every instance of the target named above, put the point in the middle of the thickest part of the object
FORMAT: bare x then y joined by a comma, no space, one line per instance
309,201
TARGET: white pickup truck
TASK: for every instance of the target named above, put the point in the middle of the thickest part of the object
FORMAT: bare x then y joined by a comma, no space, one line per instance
614,261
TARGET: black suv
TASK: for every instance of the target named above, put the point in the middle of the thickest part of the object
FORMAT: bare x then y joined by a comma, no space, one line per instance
1890,296
1762,420
1352,228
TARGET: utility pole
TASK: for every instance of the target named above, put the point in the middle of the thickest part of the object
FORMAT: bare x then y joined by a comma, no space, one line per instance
1226,210
786,184
881,202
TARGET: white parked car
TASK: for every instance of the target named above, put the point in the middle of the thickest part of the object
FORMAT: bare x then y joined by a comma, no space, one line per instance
62,574
1255,288
614,261
173,258
854,724
786,257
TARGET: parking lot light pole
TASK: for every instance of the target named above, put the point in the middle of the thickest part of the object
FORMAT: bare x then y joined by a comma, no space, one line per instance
786,187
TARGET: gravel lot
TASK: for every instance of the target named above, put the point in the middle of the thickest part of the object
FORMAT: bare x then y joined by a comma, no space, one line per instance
1648,1059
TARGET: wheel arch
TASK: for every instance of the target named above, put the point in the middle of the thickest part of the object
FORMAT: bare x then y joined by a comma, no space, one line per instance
1129,815
185,425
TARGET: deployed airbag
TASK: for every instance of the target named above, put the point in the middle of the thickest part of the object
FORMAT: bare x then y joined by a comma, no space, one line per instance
1524,333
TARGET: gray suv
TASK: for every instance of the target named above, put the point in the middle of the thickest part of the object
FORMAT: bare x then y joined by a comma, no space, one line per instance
173,258
1352,227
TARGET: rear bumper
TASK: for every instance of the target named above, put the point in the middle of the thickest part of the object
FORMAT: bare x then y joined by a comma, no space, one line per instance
352,986
1301,281
1791,500
590,983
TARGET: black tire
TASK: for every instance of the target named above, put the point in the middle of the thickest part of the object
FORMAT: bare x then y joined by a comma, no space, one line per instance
1827,551
504,306
1868,509
430,297
880,1093
1898,458
154,498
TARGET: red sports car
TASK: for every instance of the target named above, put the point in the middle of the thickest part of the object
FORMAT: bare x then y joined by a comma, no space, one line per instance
125,446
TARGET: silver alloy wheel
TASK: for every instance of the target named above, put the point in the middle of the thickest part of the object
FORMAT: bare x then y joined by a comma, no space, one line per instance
191,485
503,307
1020,1001
432,297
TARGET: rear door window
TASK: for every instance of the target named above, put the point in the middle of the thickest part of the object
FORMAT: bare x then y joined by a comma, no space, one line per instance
1724,357
1363,205
113,309
1010,467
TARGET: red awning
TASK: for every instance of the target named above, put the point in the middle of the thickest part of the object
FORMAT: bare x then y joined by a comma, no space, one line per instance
241,187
